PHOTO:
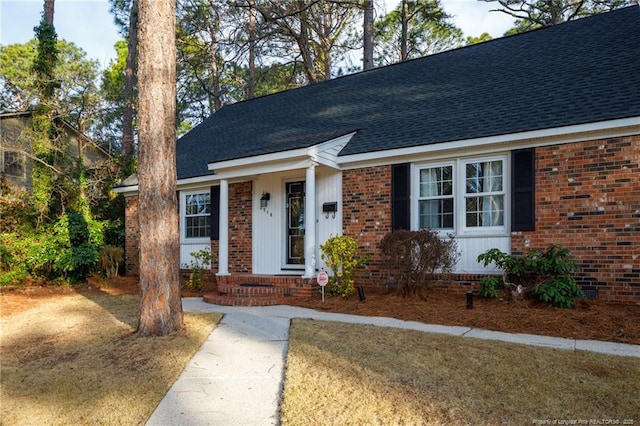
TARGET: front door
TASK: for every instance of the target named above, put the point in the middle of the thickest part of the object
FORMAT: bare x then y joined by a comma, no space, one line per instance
295,223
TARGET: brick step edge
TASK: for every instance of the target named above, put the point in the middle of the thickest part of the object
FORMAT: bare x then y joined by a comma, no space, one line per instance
237,291
226,300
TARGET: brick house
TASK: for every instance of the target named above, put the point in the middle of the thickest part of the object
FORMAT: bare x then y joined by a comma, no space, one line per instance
515,143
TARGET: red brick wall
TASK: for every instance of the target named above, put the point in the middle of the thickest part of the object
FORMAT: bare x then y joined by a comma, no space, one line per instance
240,228
366,207
588,200
132,239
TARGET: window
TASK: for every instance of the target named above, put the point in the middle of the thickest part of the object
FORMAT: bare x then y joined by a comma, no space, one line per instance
462,196
13,164
197,215
435,203
484,194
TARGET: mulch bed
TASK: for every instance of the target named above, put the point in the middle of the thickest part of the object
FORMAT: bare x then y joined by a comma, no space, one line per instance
590,319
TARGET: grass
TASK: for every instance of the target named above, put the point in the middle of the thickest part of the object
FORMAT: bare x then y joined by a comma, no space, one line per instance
341,374
75,359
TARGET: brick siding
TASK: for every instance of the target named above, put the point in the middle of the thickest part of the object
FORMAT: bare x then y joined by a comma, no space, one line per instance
240,228
132,236
588,200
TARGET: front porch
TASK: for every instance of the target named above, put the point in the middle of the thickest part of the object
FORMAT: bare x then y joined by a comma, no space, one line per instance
259,290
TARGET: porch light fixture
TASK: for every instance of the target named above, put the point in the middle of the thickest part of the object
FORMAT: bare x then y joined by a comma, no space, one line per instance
264,200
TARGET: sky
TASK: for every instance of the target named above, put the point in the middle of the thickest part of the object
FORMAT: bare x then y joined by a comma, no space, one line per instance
89,25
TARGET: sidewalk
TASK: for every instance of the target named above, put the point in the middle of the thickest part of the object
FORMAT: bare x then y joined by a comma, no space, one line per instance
236,378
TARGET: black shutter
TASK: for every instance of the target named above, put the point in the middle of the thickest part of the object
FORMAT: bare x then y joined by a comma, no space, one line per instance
400,197
215,213
523,185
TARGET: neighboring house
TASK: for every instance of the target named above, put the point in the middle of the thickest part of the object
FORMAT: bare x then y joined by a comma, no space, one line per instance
516,143
16,164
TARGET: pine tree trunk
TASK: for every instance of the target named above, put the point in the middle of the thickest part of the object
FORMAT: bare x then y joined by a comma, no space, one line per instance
129,80
160,303
251,77
49,7
367,62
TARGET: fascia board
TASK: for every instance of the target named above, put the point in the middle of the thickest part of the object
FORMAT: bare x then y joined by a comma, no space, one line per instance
324,153
551,136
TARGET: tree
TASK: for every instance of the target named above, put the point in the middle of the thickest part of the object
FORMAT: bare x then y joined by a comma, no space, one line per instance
414,29
160,303
126,17
70,83
544,13
310,32
367,32
480,39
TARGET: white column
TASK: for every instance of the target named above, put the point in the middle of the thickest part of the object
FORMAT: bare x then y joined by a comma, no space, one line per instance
223,242
310,223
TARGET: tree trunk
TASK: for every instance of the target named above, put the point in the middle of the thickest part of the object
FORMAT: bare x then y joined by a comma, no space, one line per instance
129,81
49,6
367,62
405,29
160,303
251,77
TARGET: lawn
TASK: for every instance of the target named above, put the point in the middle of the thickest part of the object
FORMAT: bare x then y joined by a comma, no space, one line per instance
74,359
341,374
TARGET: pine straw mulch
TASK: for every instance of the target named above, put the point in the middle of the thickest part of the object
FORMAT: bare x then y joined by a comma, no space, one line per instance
590,319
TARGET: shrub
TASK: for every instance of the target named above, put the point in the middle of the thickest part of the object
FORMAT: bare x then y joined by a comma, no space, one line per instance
544,274
416,256
201,260
340,254
110,258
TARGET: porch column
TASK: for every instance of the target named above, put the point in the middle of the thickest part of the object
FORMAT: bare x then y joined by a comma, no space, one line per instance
223,242
310,223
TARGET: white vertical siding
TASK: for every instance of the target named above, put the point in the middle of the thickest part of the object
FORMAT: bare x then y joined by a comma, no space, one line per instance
329,182
471,247
269,244
186,250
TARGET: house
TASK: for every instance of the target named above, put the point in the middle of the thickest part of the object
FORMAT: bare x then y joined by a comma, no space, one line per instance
515,143
15,142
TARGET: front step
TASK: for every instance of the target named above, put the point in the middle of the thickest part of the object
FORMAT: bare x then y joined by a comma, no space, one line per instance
259,290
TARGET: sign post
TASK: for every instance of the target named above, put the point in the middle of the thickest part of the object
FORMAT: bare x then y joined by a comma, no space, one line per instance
322,279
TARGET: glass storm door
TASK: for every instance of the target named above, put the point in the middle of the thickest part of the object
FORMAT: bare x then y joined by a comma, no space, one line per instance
295,223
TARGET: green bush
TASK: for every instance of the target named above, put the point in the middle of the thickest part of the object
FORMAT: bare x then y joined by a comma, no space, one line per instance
544,274
202,260
67,250
490,287
340,254
417,256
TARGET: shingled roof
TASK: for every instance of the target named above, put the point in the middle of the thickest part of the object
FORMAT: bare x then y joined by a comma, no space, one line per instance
578,72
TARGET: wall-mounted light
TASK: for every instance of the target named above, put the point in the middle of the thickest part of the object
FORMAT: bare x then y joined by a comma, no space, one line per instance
330,208
264,200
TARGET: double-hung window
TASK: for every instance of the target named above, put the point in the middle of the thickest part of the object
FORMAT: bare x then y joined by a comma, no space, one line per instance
484,194
435,201
197,215
463,196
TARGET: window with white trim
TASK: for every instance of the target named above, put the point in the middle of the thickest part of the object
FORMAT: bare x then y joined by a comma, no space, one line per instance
197,215
435,202
463,196
484,194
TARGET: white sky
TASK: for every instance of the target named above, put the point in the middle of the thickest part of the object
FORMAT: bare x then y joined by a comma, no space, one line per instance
89,25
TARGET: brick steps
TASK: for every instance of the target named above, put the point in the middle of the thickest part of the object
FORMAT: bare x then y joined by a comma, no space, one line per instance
259,290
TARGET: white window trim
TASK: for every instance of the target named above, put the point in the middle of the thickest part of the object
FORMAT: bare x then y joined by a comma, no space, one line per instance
183,220
460,230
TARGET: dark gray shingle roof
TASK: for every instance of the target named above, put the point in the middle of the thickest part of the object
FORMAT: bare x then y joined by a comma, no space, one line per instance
574,73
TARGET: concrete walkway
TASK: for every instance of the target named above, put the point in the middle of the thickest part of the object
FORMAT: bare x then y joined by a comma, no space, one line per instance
236,378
